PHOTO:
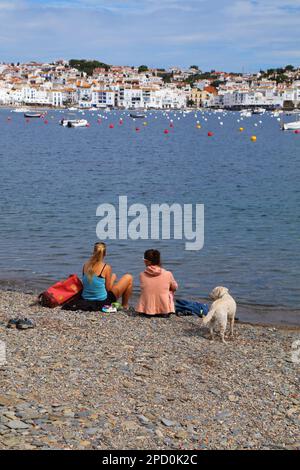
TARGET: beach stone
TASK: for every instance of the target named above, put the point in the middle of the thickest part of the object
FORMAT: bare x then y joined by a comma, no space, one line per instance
91,431
143,419
159,433
167,422
130,425
181,434
17,424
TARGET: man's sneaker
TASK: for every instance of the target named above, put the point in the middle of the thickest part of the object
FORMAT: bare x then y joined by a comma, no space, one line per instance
12,323
25,324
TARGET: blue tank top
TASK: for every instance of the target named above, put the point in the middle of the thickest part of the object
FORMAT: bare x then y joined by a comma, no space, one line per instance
94,289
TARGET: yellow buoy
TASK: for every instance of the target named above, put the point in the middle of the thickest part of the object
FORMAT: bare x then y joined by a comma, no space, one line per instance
241,129
253,138
198,126
145,123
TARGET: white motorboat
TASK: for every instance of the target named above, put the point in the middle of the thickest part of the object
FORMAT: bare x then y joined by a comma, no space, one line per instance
259,110
74,123
72,109
291,126
246,113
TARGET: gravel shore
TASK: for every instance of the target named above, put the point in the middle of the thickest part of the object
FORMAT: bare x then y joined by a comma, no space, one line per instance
119,381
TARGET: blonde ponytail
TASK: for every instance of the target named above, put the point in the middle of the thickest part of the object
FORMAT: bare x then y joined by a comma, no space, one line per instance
97,257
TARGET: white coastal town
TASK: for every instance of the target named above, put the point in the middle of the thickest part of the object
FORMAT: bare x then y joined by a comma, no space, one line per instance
92,84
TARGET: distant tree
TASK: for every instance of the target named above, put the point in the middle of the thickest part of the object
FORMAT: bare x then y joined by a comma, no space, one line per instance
289,68
87,66
194,67
216,83
190,103
143,68
280,78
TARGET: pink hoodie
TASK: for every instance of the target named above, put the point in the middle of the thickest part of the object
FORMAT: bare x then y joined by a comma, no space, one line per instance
157,287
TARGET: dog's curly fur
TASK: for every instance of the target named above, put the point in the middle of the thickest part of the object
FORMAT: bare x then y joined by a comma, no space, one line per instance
222,309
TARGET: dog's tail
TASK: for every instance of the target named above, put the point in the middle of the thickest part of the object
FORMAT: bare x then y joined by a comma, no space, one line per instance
208,317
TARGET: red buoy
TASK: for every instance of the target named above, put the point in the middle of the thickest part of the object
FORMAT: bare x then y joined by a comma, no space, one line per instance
111,126
166,131
210,134
46,121
297,131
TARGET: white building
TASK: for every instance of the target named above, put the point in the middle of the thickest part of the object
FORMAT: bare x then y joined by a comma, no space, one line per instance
103,98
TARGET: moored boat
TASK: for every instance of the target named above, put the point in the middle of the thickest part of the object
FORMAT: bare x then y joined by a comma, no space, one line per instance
137,115
259,110
74,123
291,126
246,113
33,115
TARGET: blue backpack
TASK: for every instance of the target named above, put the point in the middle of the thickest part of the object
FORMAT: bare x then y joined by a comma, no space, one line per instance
190,307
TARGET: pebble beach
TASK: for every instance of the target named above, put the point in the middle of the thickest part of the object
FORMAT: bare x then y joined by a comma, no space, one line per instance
119,381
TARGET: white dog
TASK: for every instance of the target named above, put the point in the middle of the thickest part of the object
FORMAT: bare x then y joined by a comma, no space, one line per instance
222,309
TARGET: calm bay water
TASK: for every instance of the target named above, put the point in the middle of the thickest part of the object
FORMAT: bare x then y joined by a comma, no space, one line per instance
53,179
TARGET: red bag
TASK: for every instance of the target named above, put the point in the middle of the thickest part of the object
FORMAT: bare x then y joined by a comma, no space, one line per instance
61,292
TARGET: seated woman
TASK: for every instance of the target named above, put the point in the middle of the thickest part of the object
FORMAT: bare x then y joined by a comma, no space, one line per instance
157,287
99,284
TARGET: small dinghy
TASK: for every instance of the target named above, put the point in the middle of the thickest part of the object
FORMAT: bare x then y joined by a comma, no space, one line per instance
137,115
33,115
291,126
74,123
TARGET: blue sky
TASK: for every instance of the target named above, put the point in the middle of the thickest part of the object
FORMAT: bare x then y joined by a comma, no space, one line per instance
232,35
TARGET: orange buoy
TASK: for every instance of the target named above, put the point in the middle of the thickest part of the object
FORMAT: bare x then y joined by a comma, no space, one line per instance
253,138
